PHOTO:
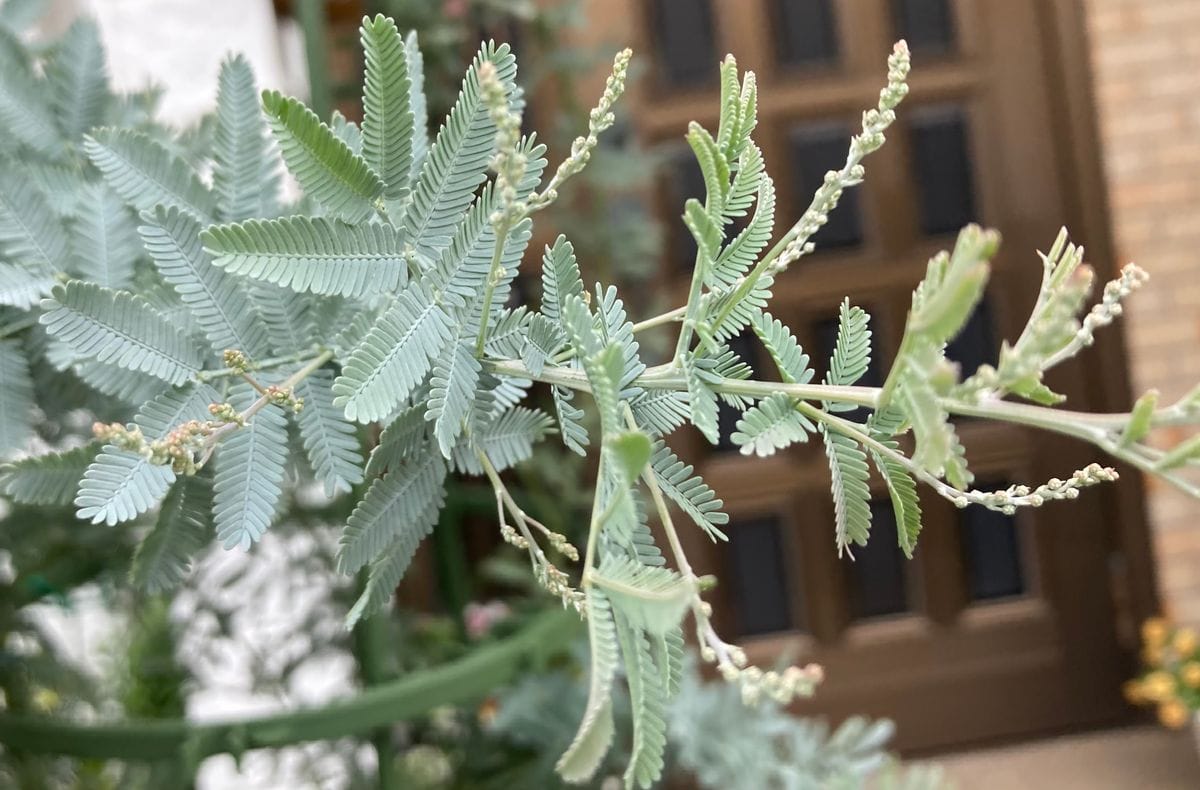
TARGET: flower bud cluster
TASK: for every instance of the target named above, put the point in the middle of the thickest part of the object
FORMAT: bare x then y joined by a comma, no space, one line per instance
559,543
874,123
285,398
600,118
558,584
781,687
179,449
226,413
1132,277
235,360
513,538
1009,499
508,162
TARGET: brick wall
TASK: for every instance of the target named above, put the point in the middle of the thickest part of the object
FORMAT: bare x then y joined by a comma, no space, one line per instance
1146,66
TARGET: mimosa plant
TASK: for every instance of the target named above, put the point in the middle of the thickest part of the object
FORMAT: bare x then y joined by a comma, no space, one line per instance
245,334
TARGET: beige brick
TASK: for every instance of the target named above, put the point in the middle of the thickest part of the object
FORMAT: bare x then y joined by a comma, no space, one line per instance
1146,56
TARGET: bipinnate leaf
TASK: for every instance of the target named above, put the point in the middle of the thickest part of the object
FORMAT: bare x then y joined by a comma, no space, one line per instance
119,328
328,171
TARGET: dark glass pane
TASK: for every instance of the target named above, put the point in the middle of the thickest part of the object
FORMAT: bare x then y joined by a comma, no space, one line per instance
942,168
975,345
743,345
876,574
991,550
804,32
684,43
684,180
927,25
756,568
816,150
826,336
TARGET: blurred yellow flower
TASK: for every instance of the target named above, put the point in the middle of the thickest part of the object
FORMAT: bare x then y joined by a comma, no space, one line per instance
1190,672
1134,692
1158,686
45,700
1154,631
1152,655
1173,714
1185,642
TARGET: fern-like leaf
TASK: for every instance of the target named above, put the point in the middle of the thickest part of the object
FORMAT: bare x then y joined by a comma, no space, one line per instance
702,401
16,398
387,105
25,112
660,412
648,701
312,254
742,253
78,79
393,357
330,173
507,440
595,733
506,337
218,301
416,96
905,502
47,480
688,491
24,286
652,599
402,439
616,329
120,485
31,234
452,391
789,357
164,556
852,351
330,442
560,277
457,163
851,490
288,317
570,420
145,174
120,328
544,338
387,569
395,507
248,483
127,386
104,238
771,425
245,170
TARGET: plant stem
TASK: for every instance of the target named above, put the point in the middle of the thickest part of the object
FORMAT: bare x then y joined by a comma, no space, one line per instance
490,288
1096,429
413,695
658,320
273,362
664,513
371,650
261,402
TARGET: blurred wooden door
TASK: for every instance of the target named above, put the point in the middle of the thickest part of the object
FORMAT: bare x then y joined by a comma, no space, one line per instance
1000,626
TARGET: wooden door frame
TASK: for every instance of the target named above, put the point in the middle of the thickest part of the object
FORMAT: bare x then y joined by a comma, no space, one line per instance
1065,39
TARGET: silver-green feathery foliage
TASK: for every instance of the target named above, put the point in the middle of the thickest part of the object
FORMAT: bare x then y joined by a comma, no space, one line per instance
387,303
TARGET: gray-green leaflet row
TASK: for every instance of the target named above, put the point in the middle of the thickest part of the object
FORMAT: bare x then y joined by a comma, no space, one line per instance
240,330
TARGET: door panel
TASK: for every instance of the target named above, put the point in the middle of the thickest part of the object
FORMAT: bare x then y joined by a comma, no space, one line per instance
998,626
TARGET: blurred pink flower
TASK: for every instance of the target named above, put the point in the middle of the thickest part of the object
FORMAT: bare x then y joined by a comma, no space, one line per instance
480,618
